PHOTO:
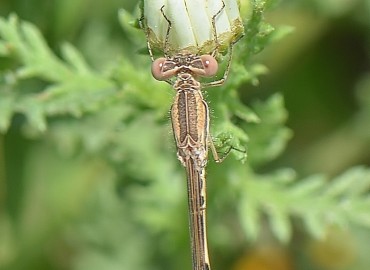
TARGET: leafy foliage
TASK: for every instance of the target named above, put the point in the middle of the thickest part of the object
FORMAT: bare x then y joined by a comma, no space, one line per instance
89,167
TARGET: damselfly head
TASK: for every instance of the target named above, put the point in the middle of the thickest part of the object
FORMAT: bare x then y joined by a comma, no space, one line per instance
165,68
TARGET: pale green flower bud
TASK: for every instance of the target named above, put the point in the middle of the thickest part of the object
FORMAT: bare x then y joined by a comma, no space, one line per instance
191,24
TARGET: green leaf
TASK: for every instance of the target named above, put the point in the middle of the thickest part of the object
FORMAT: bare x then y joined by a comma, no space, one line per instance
130,26
310,185
269,136
280,224
315,226
250,217
36,116
75,59
6,111
359,179
242,111
3,49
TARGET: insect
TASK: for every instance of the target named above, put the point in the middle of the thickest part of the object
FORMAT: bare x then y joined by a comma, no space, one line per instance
190,124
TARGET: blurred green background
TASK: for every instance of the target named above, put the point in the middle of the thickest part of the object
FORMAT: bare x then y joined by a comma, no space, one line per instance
92,181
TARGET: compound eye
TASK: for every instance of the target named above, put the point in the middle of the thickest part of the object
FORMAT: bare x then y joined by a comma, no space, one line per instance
210,65
157,69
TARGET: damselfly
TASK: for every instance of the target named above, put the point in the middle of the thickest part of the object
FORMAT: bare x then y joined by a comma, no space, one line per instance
190,124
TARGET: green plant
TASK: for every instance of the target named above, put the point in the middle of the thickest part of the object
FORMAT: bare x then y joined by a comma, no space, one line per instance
90,169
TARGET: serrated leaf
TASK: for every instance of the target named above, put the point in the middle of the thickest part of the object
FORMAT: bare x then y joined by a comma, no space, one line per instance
282,31
342,183
358,210
242,111
3,48
362,219
131,27
269,136
278,143
360,177
274,108
250,218
8,29
35,41
307,186
314,225
127,21
36,118
280,224
29,45
6,112
75,59
284,176
66,98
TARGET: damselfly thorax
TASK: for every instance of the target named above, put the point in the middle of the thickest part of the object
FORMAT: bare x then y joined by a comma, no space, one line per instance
189,112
